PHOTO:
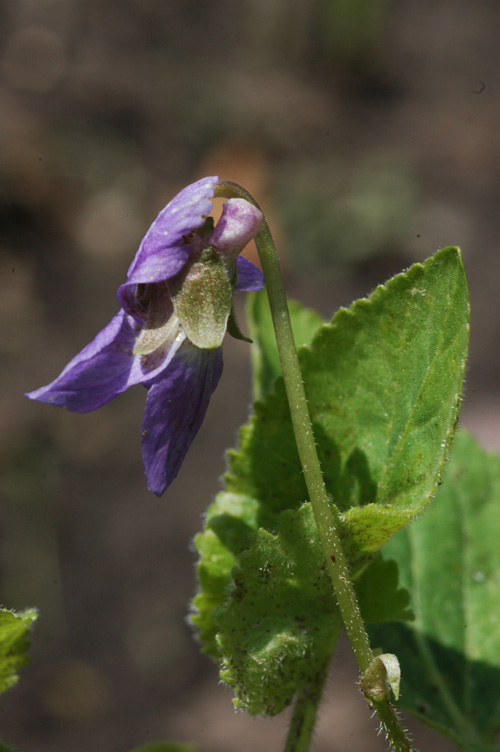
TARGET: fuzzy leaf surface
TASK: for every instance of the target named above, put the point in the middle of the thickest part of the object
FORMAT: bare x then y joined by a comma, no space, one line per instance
279,625
450,561
14,644
231,522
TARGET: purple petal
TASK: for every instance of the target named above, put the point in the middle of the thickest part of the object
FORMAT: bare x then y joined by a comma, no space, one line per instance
103,369
175,407
250,278
156,267
162,251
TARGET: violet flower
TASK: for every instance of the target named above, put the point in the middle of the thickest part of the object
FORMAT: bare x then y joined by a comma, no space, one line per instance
175,308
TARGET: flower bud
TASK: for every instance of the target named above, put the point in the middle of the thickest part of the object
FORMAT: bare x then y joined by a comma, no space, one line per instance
239,224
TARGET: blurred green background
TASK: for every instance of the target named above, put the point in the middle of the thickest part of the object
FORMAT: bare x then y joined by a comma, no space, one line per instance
368,131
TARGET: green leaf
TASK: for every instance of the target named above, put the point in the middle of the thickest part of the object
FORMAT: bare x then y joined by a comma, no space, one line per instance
14,644
379,595
230,524
277,628
383,381
265,358
230,530
450,561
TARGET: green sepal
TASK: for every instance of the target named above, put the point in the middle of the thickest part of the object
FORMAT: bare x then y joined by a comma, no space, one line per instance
202,299
233,328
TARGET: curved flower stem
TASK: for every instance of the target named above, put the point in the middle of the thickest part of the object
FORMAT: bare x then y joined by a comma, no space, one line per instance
325,512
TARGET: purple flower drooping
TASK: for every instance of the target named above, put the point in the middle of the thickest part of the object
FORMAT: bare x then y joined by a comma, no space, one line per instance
175,307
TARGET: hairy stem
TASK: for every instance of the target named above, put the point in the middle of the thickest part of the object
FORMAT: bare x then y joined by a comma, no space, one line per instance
325,512
304,716
307,703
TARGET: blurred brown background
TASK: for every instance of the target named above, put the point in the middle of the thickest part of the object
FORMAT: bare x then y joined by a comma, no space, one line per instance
369,132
